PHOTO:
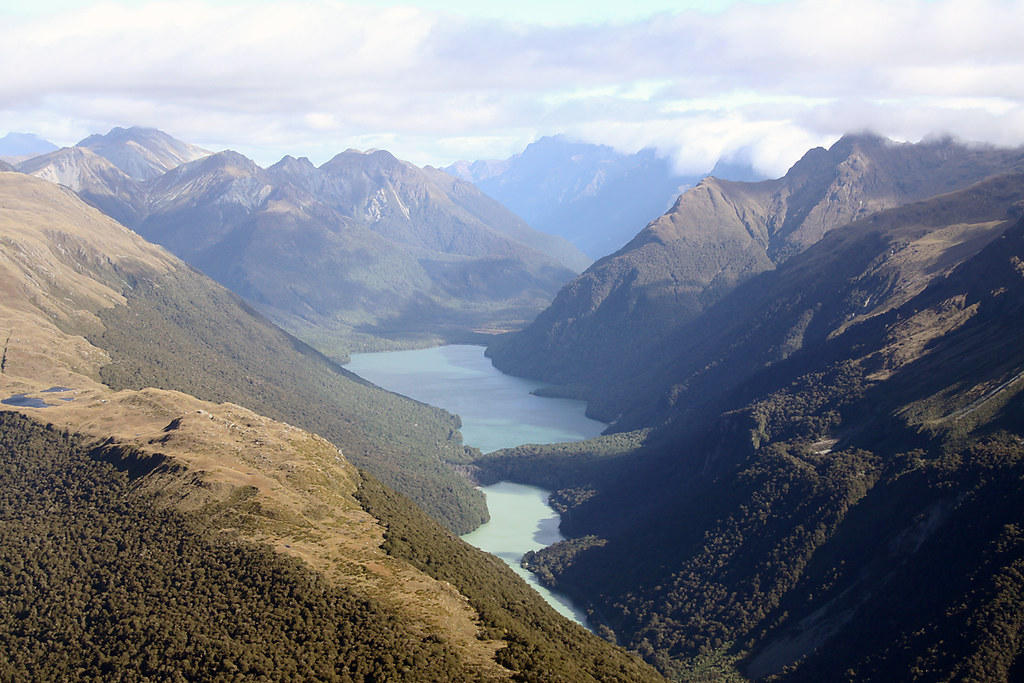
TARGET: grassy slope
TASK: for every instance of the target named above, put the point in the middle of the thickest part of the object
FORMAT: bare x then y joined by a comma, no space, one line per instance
187,334
71,275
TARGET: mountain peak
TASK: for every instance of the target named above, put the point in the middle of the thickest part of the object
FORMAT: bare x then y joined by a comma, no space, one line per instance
24,145
379,156
143,153
591,195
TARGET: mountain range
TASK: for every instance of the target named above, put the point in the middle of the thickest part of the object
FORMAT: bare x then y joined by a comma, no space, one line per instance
591,195
154,528
813,468
363,251
606,323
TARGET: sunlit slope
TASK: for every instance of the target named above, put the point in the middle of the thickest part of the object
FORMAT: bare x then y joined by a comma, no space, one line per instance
152,321
237,491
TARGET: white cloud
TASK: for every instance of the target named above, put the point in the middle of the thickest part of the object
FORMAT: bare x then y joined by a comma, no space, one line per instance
317,76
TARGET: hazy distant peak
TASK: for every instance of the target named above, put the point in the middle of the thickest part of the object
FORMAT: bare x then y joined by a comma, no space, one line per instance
24,145
229,157
72,167
371,161
475,171
288,161
143,153
593,196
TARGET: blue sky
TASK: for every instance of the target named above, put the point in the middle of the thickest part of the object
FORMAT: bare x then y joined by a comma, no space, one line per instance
435,82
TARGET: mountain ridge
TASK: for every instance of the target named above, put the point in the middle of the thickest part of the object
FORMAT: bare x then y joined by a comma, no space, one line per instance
368,252
716,236
820,476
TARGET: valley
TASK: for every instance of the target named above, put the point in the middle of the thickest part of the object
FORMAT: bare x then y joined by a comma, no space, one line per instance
496,412
159,362
801,458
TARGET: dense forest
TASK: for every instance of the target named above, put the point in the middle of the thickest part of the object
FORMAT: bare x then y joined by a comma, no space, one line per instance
186,334
541,644
99,583
827,482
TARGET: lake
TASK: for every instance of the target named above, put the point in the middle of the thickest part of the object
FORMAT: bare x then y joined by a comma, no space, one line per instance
497,411
522,520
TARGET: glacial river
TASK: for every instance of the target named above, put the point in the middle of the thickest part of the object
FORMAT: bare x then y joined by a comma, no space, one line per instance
497,411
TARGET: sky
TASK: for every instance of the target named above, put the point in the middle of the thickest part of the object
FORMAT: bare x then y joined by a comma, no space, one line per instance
435,82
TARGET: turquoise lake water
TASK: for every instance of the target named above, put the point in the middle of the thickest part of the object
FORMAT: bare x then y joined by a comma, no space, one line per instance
497,411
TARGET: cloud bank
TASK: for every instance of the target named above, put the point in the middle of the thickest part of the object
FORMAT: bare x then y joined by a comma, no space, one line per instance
765,80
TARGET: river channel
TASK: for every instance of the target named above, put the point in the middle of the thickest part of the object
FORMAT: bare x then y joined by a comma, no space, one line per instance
497,411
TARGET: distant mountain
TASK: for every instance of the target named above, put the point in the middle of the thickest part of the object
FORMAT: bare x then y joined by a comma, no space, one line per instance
162,520
363,249
591,195
142,153
718,235
824,476
95,179
397,199
19,146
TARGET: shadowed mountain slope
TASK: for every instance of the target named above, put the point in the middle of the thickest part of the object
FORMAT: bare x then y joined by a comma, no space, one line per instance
828,494
718,235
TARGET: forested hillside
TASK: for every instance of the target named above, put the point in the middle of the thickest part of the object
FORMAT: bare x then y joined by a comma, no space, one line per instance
150,534
99,581
824,463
